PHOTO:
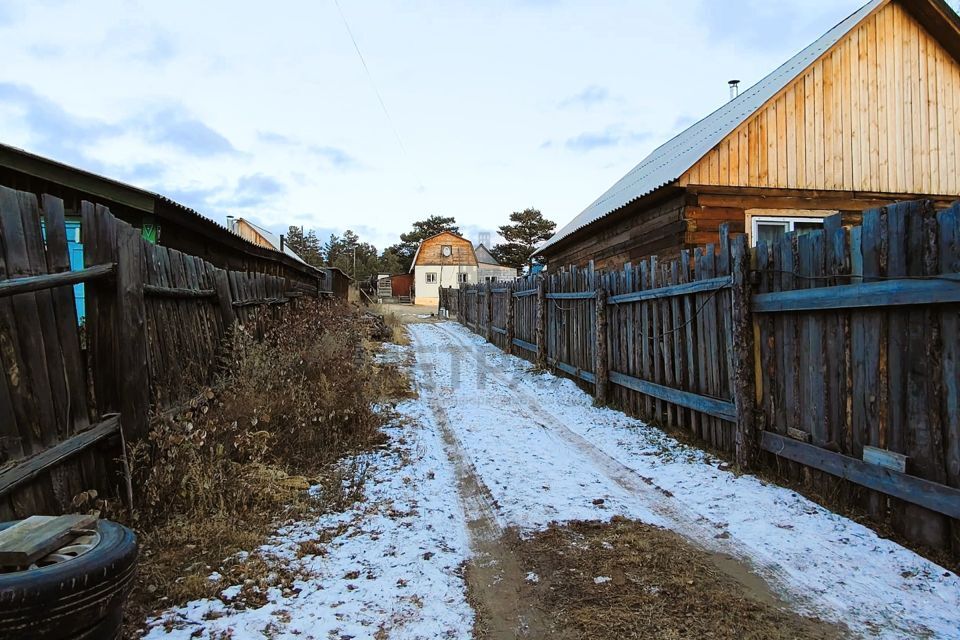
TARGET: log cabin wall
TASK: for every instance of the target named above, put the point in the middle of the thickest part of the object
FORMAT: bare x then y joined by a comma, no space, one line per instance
640,230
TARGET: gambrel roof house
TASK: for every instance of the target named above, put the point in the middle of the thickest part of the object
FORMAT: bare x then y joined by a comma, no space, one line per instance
444,259
866,115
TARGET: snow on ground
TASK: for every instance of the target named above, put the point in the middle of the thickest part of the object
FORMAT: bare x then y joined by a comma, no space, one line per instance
396,566
545,453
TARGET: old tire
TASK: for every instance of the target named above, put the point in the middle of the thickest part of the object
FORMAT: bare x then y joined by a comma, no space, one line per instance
79,598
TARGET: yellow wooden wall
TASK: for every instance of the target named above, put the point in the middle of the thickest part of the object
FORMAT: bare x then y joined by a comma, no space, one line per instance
878,112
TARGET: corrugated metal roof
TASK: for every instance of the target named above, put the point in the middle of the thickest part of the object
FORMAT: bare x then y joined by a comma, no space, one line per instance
273,239
671,160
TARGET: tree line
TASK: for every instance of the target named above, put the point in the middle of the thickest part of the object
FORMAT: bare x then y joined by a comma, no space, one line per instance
361,260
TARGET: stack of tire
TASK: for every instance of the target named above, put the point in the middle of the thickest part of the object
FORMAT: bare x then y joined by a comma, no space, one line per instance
77,598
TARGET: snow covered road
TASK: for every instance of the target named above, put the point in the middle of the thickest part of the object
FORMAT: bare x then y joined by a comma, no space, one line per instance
490,446
544,453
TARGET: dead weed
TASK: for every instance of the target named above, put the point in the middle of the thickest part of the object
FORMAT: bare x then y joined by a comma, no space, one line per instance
218,475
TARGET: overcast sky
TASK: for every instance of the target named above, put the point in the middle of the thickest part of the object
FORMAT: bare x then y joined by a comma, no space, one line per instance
264,110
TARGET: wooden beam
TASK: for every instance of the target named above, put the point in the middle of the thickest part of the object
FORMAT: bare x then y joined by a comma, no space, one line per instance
931,495
29,468
576,295
523,344
704,404
586,376
685,289
53,280
521,294
502,332
37,536
174,292
940,290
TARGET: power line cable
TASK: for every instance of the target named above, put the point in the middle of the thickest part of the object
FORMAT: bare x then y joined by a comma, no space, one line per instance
383,105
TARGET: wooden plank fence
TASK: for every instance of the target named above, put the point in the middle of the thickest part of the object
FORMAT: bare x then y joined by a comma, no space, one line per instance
154,327
832,357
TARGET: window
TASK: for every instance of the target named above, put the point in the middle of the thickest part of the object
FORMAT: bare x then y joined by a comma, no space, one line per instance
431,277
463,278
771,229
446,250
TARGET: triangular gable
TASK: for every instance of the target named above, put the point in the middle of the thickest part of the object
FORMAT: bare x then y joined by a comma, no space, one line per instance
484,256
876,113
670,162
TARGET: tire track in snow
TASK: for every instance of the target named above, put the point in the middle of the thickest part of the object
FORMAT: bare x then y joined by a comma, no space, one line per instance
495,577
878,600
730,556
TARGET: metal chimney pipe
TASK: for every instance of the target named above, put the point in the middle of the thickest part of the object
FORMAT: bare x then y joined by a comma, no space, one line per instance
734,88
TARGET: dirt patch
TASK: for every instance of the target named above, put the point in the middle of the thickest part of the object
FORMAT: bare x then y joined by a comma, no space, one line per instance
630,580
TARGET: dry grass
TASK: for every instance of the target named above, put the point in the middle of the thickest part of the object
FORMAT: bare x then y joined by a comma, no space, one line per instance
630,580
220,475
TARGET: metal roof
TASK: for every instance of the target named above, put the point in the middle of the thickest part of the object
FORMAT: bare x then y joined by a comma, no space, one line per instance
671,160
98,185
484,256
273,239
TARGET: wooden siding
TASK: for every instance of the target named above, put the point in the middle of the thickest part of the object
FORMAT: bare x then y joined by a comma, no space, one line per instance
246,231
642,230
463,253
877,112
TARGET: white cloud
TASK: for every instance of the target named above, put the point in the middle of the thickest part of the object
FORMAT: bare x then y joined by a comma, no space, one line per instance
189,98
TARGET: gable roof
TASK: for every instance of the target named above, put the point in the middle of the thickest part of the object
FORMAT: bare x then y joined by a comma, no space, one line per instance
671,160
417,253
484,256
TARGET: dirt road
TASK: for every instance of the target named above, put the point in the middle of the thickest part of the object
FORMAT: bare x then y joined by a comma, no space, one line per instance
530,450
504,505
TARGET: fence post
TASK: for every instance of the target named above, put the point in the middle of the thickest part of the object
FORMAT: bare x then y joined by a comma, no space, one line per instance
132,374
743,341
541,332
222,286
488,330
476,306
600,354
509,326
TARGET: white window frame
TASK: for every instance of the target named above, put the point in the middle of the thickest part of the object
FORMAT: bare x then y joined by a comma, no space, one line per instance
430,277
756,221
463,278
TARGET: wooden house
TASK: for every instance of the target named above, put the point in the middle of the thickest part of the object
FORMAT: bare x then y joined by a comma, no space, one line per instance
867,115
442,260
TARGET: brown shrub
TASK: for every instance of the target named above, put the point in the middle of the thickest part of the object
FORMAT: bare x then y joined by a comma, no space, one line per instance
216,474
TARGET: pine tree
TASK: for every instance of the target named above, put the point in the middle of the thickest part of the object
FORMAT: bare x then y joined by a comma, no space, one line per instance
528,230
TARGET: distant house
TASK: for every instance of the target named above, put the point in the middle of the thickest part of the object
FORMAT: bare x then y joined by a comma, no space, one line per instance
442,260
489,269
864,116
261,236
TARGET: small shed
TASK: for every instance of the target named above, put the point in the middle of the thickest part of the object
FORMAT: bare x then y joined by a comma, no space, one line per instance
401,286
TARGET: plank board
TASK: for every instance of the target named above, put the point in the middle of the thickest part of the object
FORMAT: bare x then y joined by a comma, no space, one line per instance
37,536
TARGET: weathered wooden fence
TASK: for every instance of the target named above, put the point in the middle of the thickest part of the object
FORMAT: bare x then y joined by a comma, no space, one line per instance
831,356
154,326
